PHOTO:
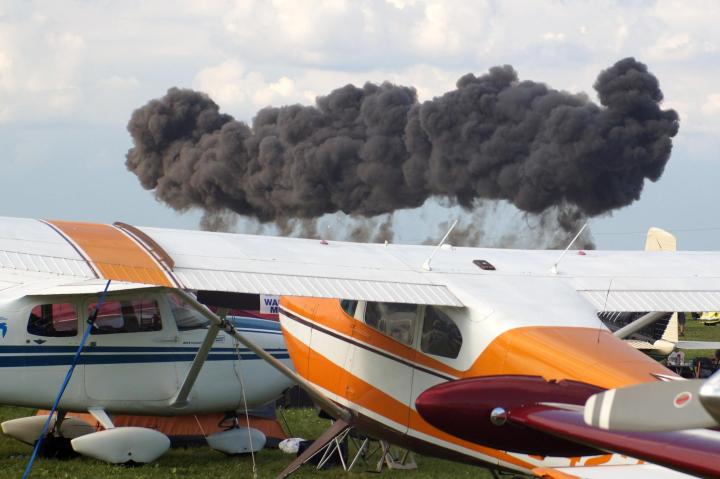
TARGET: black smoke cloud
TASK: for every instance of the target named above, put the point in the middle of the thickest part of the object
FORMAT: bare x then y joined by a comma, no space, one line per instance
373,150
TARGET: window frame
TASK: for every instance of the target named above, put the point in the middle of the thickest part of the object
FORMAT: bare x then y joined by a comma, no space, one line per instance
357,307
454,322
168,303
51,301
162,308
419,309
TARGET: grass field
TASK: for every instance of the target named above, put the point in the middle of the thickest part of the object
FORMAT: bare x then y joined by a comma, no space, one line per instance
201,462
696,331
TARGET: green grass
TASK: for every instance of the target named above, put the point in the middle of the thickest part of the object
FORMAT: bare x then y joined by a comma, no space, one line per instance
696,331
201,462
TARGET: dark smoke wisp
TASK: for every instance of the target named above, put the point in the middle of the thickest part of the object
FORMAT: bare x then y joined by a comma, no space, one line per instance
374,150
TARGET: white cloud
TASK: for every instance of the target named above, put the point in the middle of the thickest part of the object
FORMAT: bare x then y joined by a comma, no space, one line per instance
676,46
120,82
435,33
712,104
241,91
96,62
553,36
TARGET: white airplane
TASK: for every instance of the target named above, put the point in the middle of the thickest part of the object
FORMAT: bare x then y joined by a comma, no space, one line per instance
480,355
137,361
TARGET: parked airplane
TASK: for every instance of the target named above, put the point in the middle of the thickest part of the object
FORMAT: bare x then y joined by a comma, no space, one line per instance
656,335
139,353
480,355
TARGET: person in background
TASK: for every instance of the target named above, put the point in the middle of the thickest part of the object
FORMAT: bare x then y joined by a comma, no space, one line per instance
676,358
704,367
716,359
681,323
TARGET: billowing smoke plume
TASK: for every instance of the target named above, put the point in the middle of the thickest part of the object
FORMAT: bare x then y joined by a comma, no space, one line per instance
374,150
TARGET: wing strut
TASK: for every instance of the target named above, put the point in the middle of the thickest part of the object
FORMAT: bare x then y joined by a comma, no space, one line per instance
320,399
638,324
180,398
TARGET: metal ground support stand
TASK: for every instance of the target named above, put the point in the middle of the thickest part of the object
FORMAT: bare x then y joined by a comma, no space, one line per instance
361,444
405,462
333,446
362,447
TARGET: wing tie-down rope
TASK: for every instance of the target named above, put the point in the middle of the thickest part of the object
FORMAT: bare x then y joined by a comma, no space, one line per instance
68,376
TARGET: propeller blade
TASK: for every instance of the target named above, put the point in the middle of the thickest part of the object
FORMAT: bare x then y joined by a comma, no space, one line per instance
710,395
649,407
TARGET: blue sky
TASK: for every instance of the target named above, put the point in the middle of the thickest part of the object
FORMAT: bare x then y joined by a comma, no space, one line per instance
71,73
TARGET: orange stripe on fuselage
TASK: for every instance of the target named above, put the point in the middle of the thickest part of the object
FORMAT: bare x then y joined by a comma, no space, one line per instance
588,355
550,473
583,354
113,254
324,374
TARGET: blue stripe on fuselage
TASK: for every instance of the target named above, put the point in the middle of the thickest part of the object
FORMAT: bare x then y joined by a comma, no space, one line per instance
42,355
116,349
66,359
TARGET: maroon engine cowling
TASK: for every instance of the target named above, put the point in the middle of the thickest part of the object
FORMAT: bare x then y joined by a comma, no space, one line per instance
463,408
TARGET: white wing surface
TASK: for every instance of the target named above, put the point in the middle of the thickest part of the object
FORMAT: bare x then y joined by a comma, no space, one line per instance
609,280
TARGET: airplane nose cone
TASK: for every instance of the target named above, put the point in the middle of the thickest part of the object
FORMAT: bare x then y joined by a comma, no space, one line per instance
478,410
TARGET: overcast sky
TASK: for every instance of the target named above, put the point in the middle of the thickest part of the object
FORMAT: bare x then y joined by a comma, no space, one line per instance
71,73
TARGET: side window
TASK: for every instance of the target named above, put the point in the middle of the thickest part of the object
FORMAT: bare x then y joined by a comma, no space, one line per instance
53,320
394,319
127,316
440,335
349,306
186,318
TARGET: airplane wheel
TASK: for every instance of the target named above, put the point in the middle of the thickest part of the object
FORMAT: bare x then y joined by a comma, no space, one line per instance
57,448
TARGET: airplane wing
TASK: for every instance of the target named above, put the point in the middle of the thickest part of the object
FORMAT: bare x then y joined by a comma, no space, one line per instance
693,451
610,280
698,344
60,252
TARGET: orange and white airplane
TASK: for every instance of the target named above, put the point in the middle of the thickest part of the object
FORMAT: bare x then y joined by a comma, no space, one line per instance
479,355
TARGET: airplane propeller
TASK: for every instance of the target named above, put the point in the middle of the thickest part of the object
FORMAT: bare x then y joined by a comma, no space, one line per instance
657,406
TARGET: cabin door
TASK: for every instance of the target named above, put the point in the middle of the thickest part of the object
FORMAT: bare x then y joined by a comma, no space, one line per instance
132,350
51,338
380,371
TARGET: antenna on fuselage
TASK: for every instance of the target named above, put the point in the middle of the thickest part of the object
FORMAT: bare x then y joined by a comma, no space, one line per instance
554,269
426,264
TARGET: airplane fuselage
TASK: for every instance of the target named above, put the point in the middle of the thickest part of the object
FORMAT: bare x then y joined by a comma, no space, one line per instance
134,361
379,368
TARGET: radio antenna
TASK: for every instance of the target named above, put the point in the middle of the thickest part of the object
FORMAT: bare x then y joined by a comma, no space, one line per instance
426,264
554,269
